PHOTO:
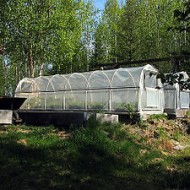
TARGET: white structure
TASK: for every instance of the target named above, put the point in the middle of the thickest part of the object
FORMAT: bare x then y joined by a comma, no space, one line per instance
177,101
6,116
120,90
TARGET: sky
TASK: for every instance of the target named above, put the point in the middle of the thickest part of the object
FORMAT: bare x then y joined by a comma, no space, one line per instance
99,4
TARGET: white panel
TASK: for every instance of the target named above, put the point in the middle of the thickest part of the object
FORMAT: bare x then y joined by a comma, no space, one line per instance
170,98
153,97
98,100
122,98
184,100
6,116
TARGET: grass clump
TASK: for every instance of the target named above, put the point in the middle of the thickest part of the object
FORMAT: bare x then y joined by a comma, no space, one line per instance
157,117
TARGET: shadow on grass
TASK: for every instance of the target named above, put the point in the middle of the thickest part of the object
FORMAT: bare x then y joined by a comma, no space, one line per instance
88,160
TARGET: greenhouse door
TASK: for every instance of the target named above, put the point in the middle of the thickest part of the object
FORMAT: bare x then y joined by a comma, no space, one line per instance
170,96
152,96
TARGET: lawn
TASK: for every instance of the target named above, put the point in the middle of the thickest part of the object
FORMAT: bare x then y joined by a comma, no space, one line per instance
143,155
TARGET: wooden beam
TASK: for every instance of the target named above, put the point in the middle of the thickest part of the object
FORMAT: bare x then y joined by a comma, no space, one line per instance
173,59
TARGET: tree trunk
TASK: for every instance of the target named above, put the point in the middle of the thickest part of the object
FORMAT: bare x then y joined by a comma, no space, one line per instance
3,82
30,61
4,76
41,69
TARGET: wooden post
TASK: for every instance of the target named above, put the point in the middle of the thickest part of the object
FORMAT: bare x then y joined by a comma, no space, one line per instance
2,52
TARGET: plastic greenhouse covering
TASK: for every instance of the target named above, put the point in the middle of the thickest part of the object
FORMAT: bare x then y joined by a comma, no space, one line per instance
109,90
176,98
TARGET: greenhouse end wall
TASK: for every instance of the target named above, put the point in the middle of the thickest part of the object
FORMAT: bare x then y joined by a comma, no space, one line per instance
177,101
118,90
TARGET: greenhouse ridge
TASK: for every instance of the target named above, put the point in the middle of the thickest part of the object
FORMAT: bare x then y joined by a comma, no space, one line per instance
106,79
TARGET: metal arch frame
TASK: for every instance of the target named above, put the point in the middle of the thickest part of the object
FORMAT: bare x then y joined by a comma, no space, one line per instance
146,68
127,71
87,85
124,69
110,85
109,78
103,74
31,86
80,74
49,82
41,77
19,89
63,93
47,79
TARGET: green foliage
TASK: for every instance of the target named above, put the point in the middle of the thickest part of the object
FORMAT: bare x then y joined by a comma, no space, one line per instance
50,37
177,135
95,105
129,108
174,78
106,35
1,79
188,114
157,117
137,30
183,16
43,37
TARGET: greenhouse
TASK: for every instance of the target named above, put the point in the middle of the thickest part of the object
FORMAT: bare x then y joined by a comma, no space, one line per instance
177,101
122,90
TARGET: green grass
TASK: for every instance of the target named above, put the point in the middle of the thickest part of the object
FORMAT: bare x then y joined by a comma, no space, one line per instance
96,157
157,117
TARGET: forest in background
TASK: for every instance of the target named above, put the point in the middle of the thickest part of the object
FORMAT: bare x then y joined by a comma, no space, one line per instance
55,37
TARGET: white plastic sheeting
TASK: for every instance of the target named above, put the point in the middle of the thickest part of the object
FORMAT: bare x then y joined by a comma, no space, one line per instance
108,90
175,98
185,100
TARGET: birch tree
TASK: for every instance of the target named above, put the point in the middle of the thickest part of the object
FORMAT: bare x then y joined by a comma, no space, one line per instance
106,37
